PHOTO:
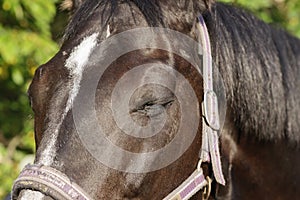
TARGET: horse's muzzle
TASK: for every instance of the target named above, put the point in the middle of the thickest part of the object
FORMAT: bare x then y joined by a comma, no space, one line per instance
32,195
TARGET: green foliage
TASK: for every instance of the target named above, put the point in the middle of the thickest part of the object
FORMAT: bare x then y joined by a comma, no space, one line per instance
280,13
26,42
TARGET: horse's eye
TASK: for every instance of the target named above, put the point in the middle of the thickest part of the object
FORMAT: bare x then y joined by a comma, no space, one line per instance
149,105
153,108
145,106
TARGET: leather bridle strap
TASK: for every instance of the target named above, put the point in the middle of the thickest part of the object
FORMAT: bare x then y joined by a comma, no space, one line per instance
211,125
189,187
48,181
210,140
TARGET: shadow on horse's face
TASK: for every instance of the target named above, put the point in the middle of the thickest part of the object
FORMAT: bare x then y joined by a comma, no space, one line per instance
67,136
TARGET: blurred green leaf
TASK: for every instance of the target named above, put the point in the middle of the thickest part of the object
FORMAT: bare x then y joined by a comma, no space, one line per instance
17,77
25,43
282,13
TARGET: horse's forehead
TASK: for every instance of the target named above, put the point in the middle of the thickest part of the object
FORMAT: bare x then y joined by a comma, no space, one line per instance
105,19
93,16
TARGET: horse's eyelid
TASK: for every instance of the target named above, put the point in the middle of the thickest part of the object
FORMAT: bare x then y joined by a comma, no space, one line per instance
145,105
152,103
163,103
168,103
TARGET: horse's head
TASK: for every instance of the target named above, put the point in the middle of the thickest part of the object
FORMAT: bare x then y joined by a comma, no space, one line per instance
117,110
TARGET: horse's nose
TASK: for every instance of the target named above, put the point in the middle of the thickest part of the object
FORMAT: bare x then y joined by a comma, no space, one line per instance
32,195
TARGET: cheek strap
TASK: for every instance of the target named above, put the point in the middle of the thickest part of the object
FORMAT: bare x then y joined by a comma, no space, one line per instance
210,122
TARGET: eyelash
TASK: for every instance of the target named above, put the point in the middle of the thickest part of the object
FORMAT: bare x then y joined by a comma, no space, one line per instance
151,103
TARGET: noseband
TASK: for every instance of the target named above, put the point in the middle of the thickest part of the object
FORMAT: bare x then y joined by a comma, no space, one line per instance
48,181
57,185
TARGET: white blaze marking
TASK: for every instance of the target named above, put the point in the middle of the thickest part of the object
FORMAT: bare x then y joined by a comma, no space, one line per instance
33,195
108,31
75,63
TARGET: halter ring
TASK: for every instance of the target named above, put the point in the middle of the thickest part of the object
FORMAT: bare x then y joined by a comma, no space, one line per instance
207,189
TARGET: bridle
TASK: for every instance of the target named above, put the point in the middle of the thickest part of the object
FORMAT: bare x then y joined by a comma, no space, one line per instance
210,126
57,185
50,182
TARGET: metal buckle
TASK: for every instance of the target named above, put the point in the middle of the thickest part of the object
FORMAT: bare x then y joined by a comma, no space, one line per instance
210,110
207,189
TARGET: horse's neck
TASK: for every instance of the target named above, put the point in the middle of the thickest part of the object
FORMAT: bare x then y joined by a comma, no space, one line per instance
259,169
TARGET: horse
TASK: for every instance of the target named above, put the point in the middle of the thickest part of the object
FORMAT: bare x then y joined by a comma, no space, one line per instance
258,143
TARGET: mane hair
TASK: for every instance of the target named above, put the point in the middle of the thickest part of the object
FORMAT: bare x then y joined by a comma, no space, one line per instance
260,66
178,15
107,8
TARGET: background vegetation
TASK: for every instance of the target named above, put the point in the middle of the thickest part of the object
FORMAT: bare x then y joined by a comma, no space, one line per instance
29,31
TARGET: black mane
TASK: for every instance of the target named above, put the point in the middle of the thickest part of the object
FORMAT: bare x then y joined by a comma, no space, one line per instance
260,66
106,9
